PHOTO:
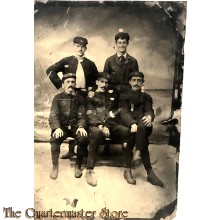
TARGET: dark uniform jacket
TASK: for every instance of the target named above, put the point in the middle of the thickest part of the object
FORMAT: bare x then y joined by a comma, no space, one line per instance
135,105
99,104
67,110
69,65
119,71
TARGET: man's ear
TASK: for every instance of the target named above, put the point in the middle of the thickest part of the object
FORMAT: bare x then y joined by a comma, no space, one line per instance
96,82
62,85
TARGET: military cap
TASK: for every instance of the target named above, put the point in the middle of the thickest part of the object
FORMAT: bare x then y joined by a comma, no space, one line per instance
103,75
68,75
80,40
136,73
122,35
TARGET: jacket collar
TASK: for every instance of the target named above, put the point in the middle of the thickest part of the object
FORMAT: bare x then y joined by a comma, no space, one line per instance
115,57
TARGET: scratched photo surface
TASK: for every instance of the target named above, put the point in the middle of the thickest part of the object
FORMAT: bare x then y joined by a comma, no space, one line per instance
157,34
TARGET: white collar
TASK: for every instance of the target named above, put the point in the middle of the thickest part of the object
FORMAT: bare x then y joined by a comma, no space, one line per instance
125,55
80,59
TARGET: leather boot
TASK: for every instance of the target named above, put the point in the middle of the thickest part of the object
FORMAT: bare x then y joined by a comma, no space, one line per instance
90,178
65,156
54,172
153,179
128,176
78,171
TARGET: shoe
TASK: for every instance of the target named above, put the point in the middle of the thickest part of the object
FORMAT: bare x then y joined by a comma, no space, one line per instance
128,176
136,158
54,172
78,171
90,178
153,179
65,156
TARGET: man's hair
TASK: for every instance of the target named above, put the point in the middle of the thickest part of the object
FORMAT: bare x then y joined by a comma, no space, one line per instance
122,35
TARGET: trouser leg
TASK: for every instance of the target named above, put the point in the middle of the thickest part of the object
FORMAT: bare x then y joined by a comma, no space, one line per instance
145,156
82,145
55,149
122,135
71,148
96,138
142,134
55,145
142,143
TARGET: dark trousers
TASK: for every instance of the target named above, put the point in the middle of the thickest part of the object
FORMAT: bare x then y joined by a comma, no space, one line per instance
142,143
118,134
80,141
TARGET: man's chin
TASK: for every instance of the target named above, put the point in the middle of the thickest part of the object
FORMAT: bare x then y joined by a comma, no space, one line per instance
80,54
69,91
135,89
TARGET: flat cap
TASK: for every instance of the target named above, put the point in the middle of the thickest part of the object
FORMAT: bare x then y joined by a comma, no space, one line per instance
103,75
122,35
136,73
80,40
68,75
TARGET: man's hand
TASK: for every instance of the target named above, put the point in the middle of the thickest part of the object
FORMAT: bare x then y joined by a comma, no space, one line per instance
106,131
58,133
82,131
133,128
147,121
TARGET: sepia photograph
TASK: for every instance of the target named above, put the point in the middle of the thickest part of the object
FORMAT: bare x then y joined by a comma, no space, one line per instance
108,82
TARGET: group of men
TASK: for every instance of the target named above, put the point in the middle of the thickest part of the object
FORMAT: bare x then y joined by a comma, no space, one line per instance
98,105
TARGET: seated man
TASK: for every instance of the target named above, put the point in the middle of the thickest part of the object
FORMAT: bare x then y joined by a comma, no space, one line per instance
68,119
102,115
137,114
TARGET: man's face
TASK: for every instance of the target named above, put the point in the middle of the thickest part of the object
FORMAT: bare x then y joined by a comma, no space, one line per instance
121,46
136,83
69,85
79,49
102,84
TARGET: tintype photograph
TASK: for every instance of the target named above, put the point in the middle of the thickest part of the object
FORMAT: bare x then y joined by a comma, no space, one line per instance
108,82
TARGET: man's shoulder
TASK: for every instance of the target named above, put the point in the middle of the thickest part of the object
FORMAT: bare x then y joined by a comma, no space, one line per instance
69,58
146,95
59,95
87,60
131,57
111,57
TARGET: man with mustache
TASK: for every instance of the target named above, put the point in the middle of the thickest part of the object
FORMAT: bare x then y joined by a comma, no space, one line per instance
68,119
85,70
103,122
138,115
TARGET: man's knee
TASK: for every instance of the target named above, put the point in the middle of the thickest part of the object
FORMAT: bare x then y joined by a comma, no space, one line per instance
142,126
82,140
96,134
54,140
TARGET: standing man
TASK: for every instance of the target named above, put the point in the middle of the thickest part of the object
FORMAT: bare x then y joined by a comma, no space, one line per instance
121,64
85,70
102,118
137,114
68,119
